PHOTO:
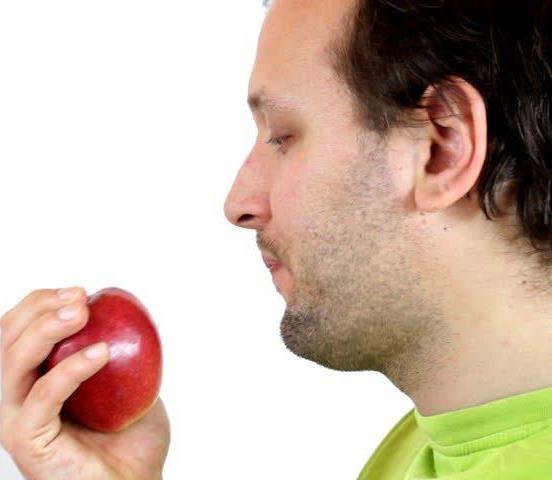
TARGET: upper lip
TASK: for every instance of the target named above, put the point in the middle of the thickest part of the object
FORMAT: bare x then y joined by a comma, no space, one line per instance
270,261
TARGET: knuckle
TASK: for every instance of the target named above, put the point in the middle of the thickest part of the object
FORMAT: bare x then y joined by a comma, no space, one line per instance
43,328
13,357
46,389
3,337
5,323
48,325
6,356
43,390
37,295
5,318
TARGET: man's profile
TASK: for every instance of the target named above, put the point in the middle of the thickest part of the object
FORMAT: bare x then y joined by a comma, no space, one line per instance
402,177
400,188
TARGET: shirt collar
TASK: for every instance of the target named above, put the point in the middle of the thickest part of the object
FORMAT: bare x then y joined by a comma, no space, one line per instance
491,424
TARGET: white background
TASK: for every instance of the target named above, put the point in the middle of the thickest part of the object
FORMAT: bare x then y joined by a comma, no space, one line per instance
122,127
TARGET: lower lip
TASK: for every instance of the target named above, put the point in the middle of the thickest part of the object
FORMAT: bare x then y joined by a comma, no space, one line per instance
274,267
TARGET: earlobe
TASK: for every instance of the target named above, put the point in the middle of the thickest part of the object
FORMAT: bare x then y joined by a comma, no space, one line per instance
456,139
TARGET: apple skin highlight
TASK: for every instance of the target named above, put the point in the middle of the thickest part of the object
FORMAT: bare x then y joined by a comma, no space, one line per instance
125,389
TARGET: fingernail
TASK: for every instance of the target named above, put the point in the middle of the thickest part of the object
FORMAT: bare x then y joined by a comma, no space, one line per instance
96,351
67,313
68,293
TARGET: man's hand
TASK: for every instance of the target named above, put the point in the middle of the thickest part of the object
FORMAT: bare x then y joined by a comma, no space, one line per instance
43,444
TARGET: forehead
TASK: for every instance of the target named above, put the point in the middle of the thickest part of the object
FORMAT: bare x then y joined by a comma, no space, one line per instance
292,51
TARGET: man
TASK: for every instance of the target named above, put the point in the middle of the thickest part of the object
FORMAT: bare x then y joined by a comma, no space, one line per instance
398,187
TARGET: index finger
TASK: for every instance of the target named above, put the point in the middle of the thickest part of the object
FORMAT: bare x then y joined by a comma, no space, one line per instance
32,306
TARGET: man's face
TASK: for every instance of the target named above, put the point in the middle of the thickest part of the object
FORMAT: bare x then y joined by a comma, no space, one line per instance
331,203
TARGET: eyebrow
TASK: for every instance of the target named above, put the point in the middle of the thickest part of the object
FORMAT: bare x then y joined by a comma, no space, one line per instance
263,101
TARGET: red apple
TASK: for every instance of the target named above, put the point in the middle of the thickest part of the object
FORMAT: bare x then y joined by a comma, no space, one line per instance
124,390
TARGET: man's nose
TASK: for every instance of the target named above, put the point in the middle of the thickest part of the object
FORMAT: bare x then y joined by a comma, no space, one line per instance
248,202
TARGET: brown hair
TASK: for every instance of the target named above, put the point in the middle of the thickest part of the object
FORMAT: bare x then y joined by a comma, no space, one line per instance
392,50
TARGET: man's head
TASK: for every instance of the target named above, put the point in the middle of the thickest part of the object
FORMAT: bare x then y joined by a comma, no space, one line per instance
386,115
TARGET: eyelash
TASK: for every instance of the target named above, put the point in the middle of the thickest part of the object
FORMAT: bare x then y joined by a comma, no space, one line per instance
279,141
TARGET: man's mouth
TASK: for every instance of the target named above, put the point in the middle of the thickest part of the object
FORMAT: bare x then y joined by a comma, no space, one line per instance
271,263
274,266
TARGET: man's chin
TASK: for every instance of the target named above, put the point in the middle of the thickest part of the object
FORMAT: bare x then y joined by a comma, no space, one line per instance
303,335
299,331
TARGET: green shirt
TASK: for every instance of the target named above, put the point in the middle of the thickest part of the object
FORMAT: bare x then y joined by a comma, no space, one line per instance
506,439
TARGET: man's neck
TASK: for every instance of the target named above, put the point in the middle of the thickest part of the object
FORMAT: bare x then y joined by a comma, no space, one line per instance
500,351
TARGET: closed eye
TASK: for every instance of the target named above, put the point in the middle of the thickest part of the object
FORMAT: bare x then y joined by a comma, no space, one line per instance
278,141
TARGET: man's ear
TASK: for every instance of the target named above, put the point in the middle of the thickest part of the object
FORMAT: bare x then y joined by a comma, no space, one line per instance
457,145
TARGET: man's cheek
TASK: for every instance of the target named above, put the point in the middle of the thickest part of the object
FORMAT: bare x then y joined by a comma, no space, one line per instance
287,193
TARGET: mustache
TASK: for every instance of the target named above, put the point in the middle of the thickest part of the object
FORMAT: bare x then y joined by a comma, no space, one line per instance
268,245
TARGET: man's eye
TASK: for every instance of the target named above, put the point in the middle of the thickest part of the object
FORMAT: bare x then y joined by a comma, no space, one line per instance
279,141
